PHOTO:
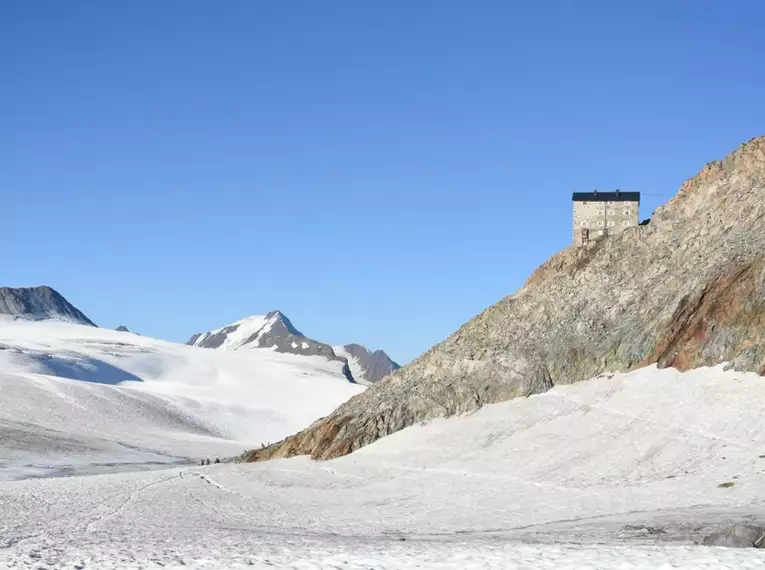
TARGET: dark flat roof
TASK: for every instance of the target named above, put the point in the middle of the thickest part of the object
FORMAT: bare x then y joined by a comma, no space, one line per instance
606,197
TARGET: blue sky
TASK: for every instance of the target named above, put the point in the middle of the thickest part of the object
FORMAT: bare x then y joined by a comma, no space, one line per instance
379,171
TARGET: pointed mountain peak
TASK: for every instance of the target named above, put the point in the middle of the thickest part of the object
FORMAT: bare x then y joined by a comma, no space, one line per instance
278,316
273,331
276,332
39,303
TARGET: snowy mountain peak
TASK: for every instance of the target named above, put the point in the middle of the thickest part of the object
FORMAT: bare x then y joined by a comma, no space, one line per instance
275,331
39,303
279,317
272,330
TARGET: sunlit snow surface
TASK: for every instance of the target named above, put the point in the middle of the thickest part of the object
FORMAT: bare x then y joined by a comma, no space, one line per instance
245,331
571,479
76,399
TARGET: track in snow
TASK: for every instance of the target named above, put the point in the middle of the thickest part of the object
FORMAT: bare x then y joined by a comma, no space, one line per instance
572,478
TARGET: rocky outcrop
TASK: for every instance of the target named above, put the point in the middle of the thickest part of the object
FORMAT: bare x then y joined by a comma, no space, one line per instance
367,367
686,290
737,536
39,303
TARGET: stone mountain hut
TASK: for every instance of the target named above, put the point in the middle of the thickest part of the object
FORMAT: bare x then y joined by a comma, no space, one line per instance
599,214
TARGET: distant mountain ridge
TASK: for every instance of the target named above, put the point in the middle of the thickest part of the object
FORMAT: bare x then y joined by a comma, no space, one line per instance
363,363
39,303
272,331
276,332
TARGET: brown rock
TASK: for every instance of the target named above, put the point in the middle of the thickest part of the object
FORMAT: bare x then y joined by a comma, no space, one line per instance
686,290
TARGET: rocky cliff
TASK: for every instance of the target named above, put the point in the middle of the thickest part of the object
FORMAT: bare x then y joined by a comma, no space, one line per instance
686,290
38,303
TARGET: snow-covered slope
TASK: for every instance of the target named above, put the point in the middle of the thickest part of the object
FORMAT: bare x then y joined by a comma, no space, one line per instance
36,303
614,473
75,398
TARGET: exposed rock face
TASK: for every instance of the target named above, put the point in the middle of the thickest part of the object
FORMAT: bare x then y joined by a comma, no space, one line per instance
686,290
367,367
38,303
737,536
122,328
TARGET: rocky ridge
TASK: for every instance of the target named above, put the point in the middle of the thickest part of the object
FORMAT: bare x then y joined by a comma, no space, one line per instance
686,290
276,332
39,303
273,330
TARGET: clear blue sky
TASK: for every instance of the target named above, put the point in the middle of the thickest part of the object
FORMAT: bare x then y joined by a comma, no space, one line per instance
379,171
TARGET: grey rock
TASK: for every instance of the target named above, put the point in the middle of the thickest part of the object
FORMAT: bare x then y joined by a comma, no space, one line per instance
367,367
286,338
737,536
122,328
684,291
39,303
634,530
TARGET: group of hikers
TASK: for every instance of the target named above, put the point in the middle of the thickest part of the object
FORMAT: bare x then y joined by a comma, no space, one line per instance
206,461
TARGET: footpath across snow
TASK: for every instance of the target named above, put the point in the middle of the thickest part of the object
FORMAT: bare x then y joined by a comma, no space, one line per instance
622,472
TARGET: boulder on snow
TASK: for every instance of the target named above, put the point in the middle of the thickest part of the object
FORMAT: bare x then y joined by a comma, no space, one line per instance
737,536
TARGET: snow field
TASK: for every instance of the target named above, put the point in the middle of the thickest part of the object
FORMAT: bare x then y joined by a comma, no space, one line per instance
78,399
327,554
571,479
